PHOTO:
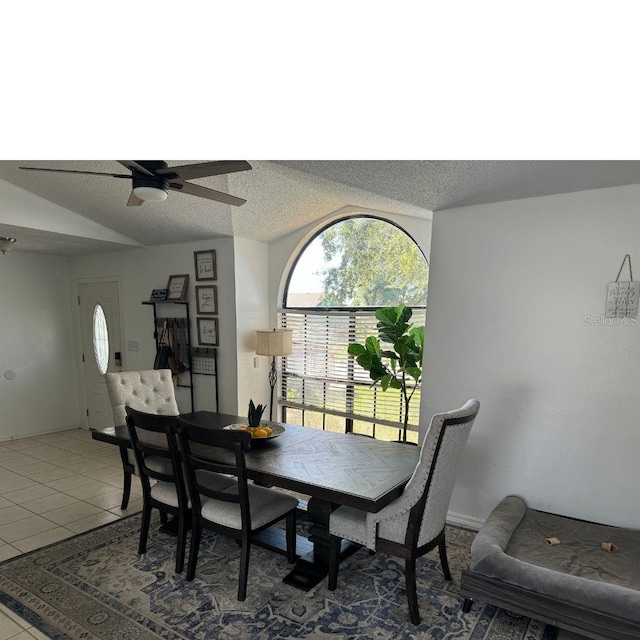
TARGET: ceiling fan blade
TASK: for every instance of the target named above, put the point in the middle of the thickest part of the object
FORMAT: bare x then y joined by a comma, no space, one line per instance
90,173
203,192
132,164
134,201
204,169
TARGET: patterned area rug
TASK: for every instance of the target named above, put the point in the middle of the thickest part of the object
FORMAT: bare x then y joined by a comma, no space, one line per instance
93,586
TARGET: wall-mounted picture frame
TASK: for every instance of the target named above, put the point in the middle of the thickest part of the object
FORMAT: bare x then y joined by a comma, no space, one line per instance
208,331
207,300
205,263
177,287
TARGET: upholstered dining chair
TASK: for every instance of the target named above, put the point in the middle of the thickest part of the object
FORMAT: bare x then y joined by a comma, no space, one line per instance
238,512
414,523
150,391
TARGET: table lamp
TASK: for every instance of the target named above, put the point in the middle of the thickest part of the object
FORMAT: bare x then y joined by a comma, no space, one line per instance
273,342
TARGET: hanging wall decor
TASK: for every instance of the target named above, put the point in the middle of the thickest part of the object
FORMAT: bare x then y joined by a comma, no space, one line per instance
208,331
205,263
207,300
622,297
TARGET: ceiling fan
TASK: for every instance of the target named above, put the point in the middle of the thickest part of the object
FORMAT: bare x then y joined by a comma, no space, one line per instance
153,179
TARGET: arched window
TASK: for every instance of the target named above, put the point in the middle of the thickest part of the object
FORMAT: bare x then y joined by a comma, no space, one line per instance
343,275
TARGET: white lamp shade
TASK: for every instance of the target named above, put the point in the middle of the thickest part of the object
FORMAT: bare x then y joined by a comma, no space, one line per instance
150,194
274,342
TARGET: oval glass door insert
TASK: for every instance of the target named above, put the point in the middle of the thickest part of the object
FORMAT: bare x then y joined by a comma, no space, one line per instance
100,339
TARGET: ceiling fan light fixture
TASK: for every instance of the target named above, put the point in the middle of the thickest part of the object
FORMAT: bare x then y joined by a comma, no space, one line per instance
6,244
150,194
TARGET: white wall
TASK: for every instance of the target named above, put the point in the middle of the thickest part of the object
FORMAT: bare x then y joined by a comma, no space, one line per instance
252,312
140,271
516,292
36,343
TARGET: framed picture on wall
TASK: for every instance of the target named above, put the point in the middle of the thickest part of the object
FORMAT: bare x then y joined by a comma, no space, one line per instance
177,287
205,262
208,331
207,300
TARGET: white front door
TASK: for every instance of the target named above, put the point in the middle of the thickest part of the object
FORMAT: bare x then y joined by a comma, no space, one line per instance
101,347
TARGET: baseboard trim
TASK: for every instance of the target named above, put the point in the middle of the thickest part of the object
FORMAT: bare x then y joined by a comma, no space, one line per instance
464,520
22,436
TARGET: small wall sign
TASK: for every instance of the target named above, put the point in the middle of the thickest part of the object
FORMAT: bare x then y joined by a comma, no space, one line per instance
158,295
622,297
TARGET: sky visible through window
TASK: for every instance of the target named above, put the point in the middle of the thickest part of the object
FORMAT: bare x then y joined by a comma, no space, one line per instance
307,275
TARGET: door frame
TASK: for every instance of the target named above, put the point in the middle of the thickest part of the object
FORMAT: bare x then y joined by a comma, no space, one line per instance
77,329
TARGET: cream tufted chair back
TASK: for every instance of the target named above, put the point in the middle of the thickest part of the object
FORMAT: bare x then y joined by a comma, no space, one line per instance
148,391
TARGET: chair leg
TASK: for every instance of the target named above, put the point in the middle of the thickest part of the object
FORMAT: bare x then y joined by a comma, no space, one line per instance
291,537
164,517
144,528
181,543
334,559
196,532
466,606
126,489
442,548
412,592
244,568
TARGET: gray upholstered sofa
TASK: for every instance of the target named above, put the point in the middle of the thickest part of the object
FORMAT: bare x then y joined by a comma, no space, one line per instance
575,585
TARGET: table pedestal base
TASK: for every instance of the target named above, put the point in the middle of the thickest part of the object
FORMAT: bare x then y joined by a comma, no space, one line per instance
313,567
308,571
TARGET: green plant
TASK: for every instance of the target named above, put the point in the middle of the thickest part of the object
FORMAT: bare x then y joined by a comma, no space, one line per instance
255,414
401,368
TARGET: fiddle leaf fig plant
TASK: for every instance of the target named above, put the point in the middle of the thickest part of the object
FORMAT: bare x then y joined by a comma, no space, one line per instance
397,368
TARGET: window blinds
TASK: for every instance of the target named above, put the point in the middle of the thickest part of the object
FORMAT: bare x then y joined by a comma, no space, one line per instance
321,376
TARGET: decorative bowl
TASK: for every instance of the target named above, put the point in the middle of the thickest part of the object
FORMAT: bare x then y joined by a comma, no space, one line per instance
276,429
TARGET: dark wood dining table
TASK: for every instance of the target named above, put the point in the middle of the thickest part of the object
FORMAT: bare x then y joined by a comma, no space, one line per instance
333,469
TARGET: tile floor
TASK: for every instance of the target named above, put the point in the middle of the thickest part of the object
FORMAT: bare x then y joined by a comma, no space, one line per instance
52,487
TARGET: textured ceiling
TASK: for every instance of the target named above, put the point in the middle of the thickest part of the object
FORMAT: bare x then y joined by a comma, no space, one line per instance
283,196
438,185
